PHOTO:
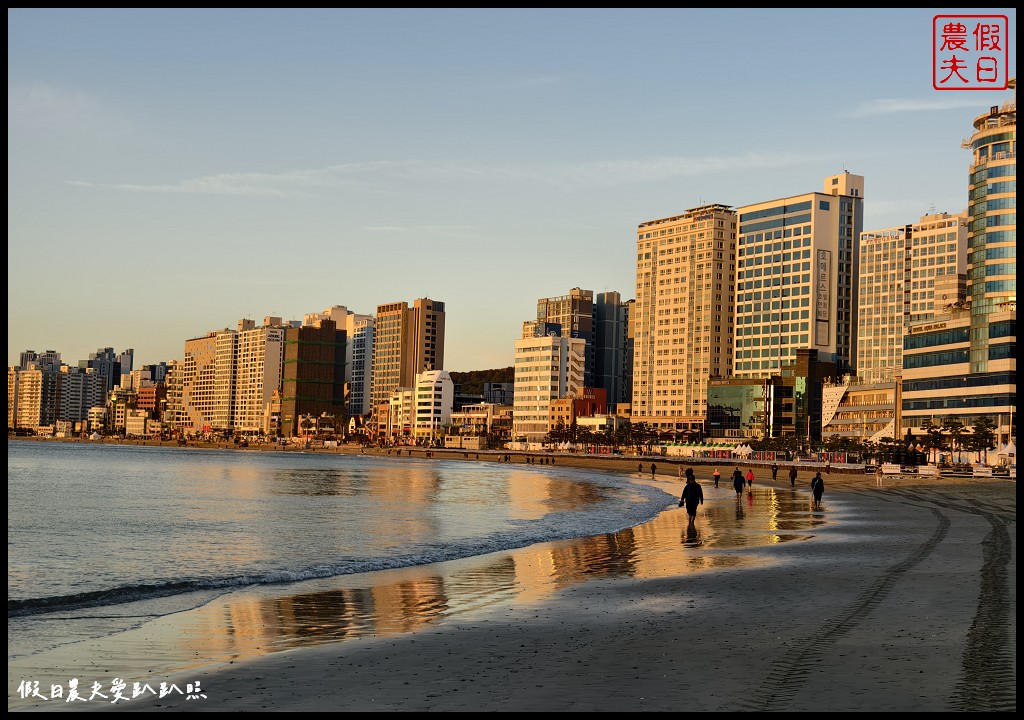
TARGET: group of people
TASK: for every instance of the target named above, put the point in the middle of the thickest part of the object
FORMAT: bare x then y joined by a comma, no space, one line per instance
693,494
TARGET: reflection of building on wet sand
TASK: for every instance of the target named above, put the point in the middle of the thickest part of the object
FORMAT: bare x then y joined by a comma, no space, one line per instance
667,546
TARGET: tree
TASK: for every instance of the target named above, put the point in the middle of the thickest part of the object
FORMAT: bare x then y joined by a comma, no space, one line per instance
957,432
982,437
936,437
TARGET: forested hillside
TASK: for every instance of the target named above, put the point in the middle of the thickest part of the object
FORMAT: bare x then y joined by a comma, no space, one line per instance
471,382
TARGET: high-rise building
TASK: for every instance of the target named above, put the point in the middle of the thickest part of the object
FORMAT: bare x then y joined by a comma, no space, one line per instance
907,274
407,341
81,390
359,331
574,314
613,348
48,360
313,382
33,397
683,315
796,270
433,397
547,368
108,364
964,364
258,365
198,381
992,277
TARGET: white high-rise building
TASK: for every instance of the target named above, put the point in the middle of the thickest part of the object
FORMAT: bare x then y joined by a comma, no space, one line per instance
546,368
434,398
796,270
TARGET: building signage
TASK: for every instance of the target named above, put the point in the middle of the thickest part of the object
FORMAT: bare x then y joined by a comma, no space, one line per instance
822,278
928,328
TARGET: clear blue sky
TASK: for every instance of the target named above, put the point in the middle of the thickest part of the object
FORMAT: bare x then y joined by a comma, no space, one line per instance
172,171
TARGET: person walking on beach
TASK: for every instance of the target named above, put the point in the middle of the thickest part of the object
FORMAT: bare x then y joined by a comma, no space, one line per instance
640,468
693,495
737,481
792,476
750,479
817,489
878,475
654,469
717,476
775,471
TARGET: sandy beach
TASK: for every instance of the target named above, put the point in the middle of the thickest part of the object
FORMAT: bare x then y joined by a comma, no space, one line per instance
902,598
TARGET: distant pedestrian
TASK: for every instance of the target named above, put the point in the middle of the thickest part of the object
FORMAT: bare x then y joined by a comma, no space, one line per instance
717,477
750,479
828,467
640,468
737,481
792,476
817,489
878,475
693,495
775,472
654,469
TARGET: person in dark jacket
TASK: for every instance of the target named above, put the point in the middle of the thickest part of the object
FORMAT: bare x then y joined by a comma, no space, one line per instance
693,495
737,481
817,489
792,476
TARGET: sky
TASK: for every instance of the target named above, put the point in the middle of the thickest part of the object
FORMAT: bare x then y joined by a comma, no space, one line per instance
171,171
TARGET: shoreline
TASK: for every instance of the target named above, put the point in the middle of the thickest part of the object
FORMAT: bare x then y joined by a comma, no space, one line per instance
904,600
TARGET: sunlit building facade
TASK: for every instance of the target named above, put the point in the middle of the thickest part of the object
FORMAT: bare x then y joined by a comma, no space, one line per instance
907,274
796,270
683,315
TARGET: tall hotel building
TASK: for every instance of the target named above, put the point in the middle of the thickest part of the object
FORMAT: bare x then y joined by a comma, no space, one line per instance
546,369
964,364
796,270
408,341
227,378
907,274
682,319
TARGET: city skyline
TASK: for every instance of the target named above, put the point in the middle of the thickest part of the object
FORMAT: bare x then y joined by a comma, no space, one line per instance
173,171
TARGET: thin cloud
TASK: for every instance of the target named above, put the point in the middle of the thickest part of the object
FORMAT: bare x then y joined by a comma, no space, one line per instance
658,169
37,107
36,102
888,107
285,184
375,176
422,229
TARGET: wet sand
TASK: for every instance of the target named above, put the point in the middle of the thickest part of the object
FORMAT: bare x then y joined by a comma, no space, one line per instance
899,598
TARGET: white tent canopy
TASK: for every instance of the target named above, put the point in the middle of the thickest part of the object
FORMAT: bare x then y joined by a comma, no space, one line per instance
1008,450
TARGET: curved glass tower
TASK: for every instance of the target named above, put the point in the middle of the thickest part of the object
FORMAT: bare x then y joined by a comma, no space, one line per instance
992,238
